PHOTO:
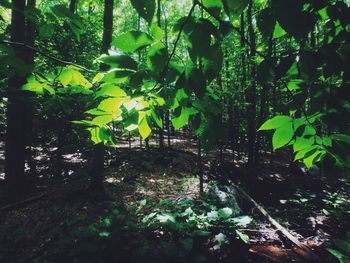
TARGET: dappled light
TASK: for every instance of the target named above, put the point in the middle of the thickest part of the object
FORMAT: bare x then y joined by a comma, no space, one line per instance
190,131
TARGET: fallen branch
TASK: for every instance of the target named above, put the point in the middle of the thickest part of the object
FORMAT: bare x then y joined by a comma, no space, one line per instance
278,226
22,202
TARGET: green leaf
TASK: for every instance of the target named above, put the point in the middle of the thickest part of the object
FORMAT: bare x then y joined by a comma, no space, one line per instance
46,31
102,120
340,256
121,61
302,143
117,76
144,128
156,32
341,137
225,212
306,152
278,31
294,85
99,134
34,86
282,136
145,8
111,105
242,236
235,8
157,57
110,90
214,6
183,119
313,158
293,18
195,81
276,122
132,41
266,22
65,77
342,245
242,220
157,120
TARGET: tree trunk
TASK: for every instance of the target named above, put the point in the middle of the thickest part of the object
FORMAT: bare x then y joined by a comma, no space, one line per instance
73,6
99,149
251,92
16,111
30,40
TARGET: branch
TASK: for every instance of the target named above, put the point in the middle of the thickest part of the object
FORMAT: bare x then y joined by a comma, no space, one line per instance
278,226
231,26
46,55
166,67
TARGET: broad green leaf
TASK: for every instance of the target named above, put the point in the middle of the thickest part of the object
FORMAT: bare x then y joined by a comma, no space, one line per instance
132,41
302,143
34,86
156,32
117,76
294,85
266,22
182,120
110,90
102,120
313,158
306,152
235,7
214,6
144,128
99,134
157,57
282,136
66,77
225,212
195,82
276,122
145,8
309,130
157,120
111,105
121,61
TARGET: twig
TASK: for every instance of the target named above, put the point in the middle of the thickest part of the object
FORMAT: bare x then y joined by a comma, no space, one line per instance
231,26
278,226
166,67
22,202
47,55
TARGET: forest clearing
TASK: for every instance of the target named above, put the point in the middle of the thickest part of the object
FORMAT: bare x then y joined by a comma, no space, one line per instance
175,131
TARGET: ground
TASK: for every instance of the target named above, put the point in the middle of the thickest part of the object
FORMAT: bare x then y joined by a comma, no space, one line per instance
69,221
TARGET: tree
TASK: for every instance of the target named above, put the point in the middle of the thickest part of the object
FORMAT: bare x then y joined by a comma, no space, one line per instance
99,149
17,111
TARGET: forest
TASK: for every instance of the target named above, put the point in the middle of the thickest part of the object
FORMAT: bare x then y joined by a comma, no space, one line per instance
187,131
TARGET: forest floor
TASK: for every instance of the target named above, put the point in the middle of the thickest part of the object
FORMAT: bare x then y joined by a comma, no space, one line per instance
70,221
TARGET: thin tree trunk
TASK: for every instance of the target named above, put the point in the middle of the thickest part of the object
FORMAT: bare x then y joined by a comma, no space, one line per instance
251,92
73,6
30,40
200,166
99,149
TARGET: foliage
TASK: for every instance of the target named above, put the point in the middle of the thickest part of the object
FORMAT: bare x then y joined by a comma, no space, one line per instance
342,251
